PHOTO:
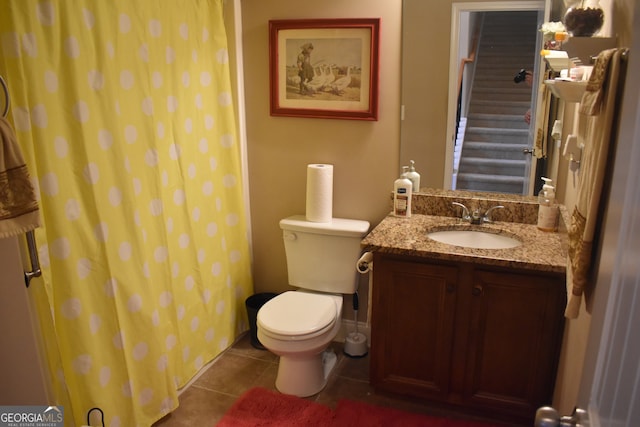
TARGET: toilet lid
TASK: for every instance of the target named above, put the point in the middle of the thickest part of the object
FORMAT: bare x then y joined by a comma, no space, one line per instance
297,313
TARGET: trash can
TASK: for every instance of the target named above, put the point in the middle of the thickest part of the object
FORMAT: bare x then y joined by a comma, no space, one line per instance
253,304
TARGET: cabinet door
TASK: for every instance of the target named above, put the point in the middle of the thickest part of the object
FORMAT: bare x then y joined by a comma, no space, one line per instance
413,312
514,341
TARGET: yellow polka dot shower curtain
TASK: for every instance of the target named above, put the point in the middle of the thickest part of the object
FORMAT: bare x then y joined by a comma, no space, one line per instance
124,113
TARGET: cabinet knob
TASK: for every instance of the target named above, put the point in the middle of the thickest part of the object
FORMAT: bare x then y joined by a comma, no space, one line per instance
477,290
451,288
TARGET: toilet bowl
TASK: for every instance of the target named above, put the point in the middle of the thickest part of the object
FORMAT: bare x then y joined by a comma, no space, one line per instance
298,326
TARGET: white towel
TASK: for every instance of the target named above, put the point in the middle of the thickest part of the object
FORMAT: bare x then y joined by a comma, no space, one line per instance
599,107
18,205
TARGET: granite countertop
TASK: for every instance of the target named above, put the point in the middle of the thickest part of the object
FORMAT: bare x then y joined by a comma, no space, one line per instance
540,251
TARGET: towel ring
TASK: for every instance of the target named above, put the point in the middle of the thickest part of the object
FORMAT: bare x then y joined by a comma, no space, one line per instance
6,97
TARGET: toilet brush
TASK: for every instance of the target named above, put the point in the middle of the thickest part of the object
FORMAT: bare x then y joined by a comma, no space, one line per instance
355,344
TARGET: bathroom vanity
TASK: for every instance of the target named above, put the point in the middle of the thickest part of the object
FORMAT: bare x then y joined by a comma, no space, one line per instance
479,329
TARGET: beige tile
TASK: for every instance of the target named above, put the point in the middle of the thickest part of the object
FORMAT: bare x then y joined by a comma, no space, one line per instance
268,378
243,347
198,407
242,367
233,374
344,388
354,368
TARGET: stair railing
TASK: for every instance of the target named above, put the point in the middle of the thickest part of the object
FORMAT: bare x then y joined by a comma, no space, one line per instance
463,63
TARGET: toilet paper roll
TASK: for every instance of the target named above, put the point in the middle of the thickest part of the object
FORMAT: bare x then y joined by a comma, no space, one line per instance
319,193
365,263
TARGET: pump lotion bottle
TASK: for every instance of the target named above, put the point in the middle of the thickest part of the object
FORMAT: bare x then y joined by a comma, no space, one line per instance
414,176
548,209
402,190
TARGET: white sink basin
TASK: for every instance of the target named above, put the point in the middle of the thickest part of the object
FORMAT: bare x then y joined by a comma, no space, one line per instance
474,239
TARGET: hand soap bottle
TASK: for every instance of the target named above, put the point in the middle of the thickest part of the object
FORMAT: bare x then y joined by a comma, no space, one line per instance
414,177
548,209
402,189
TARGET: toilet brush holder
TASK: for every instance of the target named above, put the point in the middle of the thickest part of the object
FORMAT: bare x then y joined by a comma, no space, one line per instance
355,345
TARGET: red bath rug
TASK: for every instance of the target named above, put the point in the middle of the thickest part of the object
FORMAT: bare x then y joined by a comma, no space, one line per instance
260,407
263,408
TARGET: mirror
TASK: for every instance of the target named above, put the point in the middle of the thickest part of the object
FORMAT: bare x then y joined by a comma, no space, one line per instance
430,54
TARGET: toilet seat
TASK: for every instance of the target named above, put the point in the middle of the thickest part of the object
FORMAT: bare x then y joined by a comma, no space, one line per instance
297,315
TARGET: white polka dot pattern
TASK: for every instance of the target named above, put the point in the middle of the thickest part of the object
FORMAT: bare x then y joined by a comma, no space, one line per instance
123,112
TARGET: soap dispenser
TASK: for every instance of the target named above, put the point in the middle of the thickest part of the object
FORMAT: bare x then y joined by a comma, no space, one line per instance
414,177
402,190
547,209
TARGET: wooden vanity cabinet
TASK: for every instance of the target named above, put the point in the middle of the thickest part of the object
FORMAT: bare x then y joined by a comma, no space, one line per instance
413,313
466,334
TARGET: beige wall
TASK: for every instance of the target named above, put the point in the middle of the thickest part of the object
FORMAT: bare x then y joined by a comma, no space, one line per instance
364,153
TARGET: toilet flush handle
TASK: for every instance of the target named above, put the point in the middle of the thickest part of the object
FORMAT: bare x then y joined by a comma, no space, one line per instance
290,236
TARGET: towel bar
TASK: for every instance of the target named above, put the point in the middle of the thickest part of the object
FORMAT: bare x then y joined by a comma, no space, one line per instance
33,258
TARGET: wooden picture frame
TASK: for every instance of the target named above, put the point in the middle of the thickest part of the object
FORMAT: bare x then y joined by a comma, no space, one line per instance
324,68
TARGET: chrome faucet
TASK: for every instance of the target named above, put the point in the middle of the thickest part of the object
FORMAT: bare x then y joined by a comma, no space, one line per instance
466,216
476,217
487,215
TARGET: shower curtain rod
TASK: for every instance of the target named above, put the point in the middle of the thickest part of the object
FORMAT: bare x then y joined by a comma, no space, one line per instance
31,237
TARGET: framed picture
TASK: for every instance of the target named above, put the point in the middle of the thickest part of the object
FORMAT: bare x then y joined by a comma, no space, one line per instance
324,68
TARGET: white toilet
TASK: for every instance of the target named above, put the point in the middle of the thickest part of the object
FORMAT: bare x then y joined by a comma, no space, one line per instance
299,325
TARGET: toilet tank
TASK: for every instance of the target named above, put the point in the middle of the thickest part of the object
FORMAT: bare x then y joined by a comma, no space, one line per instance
322,256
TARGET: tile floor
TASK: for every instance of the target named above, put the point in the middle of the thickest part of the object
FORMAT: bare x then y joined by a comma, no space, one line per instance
242,367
